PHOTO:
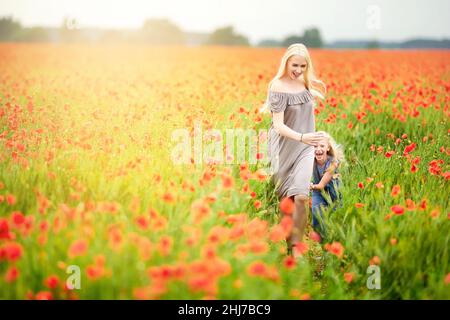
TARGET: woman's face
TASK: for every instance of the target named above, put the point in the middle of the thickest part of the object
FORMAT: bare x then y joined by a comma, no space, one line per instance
321,150
296,66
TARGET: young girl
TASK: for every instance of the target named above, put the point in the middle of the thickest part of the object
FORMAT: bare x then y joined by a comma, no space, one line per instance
326,180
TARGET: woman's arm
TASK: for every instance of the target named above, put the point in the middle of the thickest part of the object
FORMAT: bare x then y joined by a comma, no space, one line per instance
311,138
282,129
277,108
278,116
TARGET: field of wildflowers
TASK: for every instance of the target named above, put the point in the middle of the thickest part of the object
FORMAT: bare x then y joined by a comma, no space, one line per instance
93,205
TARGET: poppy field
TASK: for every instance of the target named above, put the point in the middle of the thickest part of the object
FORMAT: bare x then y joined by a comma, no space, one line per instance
93,205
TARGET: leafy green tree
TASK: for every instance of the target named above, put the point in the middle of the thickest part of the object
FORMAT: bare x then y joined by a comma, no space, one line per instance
9,29
291,40
227,36
269,43
374,44
310,38
161,31
35,34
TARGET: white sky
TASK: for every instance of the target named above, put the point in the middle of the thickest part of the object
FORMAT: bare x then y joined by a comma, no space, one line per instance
256,19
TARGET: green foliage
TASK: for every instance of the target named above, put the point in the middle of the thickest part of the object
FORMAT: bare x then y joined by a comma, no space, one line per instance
161,31
227,36
310,38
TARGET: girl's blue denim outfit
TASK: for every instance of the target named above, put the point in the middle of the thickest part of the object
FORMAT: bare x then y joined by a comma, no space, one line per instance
319,202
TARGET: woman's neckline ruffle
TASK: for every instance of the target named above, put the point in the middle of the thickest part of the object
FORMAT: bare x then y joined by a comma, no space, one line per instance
289,93
301,97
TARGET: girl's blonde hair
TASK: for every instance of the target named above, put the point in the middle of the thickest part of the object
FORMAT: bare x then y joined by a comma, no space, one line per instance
336,150
311,81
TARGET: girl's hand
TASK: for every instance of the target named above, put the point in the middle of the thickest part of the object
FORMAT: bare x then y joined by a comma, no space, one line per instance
313,138
311,186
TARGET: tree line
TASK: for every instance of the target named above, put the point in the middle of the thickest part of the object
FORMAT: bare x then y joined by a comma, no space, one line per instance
153,31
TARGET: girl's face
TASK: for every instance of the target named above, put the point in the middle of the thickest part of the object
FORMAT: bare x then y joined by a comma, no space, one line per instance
321,150
296,66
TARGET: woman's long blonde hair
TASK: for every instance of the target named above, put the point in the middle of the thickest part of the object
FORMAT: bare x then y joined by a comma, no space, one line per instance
311,81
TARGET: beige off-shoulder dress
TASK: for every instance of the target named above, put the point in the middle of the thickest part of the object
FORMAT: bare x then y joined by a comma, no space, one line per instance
291,162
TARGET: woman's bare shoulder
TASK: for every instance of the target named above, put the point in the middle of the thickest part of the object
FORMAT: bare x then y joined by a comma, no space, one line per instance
277,85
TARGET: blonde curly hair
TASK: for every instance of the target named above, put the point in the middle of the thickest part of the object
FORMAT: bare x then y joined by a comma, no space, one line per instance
336,151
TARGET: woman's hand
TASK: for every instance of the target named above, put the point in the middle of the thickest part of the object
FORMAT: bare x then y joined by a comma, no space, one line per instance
312,138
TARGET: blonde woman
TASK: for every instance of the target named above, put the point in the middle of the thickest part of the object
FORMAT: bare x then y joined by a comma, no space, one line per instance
292,134
326,180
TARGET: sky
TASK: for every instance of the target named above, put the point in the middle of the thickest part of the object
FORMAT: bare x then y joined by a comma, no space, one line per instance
386,20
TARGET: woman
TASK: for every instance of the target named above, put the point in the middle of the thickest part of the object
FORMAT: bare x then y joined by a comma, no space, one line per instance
292,134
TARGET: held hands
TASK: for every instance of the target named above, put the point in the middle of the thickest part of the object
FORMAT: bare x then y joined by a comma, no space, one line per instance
312,138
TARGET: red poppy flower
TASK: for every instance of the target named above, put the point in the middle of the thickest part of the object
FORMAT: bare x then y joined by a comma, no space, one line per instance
13,251
374,261
398,209
409,148
11,199
52,282
4,229
17,218
395,190
389,154
44,295
227,181
348,277
78,248
314,236
287,205
335,248
289,262
257,268
12,274
168,197
300,248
